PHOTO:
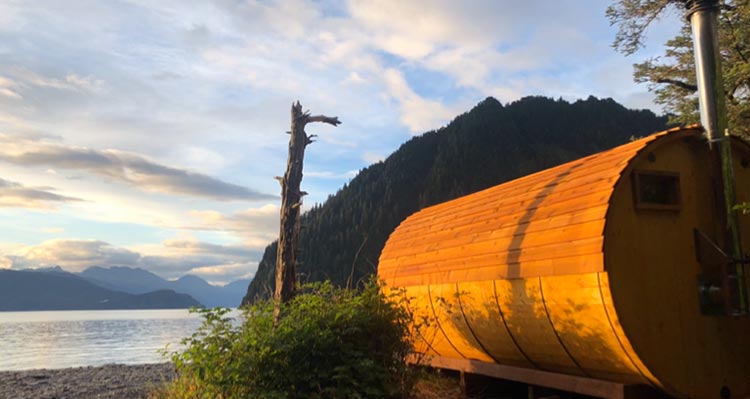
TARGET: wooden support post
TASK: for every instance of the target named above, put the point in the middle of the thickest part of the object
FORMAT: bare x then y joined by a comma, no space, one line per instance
291,204
462,381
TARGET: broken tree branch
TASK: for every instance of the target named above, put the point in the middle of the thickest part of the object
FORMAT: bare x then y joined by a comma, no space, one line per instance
324,119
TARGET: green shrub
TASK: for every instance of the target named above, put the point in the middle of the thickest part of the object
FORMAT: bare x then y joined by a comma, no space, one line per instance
329,343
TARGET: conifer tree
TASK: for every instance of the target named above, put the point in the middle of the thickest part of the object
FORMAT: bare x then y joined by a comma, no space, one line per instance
671,76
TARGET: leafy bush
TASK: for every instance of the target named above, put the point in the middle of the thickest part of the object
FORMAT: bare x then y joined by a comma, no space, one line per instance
329,343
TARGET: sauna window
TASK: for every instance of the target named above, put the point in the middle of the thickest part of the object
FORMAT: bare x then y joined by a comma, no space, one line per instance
657,190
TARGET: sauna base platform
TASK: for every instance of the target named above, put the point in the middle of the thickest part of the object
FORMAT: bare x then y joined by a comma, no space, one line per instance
562,382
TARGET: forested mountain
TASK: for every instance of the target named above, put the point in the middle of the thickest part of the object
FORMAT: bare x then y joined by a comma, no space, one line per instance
341,239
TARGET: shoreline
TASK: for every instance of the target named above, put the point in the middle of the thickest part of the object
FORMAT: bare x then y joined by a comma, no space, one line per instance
111,381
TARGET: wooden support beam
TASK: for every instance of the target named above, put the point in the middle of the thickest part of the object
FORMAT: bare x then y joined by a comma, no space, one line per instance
562,382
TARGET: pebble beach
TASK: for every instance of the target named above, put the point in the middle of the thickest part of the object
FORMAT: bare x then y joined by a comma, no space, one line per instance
112,381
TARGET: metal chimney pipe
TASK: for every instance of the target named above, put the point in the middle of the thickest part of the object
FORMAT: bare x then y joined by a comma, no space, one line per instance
703,16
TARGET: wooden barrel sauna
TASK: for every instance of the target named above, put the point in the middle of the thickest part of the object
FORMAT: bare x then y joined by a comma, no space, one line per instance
587,269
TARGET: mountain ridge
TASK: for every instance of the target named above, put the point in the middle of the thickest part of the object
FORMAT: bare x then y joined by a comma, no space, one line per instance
25,290
142,284
141,281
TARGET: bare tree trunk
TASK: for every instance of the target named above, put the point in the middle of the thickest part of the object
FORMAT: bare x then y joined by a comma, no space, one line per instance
291,202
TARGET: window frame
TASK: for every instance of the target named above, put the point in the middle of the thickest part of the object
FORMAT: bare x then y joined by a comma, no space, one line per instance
640,204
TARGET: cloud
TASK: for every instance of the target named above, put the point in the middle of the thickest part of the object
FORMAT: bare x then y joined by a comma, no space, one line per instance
25,78
225,273
193,246
260,224
355,78
173,258
222,271
418,113
372,157
16,195
187,255
71,81
130,168
8,88
414,29
332,175
74,255
7,92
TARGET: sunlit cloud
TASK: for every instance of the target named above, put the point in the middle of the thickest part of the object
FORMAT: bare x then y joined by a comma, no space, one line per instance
74,255
258,226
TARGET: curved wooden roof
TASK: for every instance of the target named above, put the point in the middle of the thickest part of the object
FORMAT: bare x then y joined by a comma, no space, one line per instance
547,223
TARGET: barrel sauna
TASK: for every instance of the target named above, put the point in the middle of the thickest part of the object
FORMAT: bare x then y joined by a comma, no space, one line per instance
592,269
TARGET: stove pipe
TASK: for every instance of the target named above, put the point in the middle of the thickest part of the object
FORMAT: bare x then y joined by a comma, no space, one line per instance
703,16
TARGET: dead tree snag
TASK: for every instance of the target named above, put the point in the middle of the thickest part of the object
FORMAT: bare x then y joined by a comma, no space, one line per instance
291,203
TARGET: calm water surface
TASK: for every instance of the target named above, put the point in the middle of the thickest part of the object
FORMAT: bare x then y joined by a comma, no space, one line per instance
59,339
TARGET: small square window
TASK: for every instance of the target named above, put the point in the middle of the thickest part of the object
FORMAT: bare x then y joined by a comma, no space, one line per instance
656,190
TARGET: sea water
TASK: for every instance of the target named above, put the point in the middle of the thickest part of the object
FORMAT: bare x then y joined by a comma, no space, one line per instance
59,339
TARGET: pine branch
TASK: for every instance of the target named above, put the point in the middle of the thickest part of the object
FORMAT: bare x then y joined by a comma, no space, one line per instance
678,83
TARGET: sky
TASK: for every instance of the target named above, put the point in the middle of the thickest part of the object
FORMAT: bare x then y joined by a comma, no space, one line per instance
147,133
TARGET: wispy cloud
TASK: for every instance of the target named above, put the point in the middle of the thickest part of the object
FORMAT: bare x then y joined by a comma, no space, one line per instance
16,195
135,170
71,81
8,88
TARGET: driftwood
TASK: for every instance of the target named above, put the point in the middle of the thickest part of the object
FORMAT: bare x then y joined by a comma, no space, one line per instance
291,204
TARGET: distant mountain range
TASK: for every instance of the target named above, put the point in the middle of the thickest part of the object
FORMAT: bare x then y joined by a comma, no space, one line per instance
33,290
110,288
139,281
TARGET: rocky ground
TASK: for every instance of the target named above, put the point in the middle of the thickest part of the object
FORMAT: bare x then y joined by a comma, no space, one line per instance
113,381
